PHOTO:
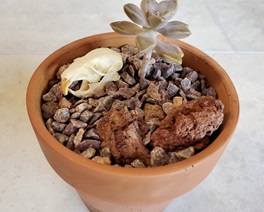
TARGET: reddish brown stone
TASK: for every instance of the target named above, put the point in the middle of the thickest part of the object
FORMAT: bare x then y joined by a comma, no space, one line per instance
120,132
188,123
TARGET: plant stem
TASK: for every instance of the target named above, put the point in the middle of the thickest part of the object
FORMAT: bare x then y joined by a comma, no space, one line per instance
144,66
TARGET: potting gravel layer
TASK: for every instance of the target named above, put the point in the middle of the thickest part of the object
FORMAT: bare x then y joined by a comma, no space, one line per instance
166,118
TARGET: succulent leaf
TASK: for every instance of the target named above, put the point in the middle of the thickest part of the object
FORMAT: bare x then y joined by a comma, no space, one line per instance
156,21
135,14
149,6
169,52
168,9
146,41
126,28
175,29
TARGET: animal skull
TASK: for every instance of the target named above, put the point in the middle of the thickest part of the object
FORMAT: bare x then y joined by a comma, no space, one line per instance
94,69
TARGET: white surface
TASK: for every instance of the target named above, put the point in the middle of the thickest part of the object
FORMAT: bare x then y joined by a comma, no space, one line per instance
231,31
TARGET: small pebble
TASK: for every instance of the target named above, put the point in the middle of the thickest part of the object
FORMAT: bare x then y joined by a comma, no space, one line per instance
185,153
158,157
167,107
137,164
186,84
62,115
89,153
49,97
102,160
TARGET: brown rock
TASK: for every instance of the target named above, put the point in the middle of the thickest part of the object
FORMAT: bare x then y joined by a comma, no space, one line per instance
201,144
82,107
89,153
56,90
127,93
61,137
110,87
78,124
62,115
185,153
120,132
177,101
167,107
102,160
70,129
128,79
49,109
86,115
49,97
57,126
153,92
158,157
188,123
88,143
153,111
64,103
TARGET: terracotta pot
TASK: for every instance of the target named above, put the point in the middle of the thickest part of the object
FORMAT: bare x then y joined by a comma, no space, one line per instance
109,188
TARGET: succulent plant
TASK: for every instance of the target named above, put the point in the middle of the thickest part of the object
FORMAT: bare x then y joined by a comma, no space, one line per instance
150,20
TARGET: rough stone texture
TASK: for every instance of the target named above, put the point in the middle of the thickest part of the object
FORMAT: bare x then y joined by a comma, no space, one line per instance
110,87
137,164
158,157
127,93
56,90
92,134
177,101
78,124
105,152
89,153
193,75
129,50
49,97
62,115
57,126
102,160
185,153
128,79
61,137
188,123
70,129
201,144
88,143
167,107
186,84
82,107
172,89
65,103
104,104
153,111
121,134
78,138
49,109
153,92
86,115
49,126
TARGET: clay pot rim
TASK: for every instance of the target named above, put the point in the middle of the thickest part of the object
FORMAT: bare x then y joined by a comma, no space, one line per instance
39,125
